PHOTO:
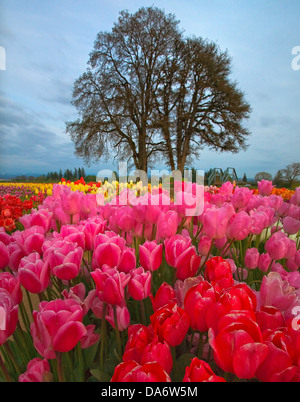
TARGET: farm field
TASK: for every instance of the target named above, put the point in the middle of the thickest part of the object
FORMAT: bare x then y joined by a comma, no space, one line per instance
124,282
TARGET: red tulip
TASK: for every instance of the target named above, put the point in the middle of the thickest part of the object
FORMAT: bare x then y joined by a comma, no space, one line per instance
131,371
218,271
164,294
196,303
139,336
159,352
238,347
200,371
171,323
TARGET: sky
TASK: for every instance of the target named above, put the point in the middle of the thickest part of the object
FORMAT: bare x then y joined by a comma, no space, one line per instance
45,46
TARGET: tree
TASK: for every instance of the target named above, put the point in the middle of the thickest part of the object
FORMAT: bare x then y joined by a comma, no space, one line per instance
262,176
198,105
149,92
288,175
115,97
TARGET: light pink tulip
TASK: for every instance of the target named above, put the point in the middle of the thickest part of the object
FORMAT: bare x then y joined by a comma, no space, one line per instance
167,224
265,187
30,240
280,246
277,293
239,226
251,258
215,221
290,225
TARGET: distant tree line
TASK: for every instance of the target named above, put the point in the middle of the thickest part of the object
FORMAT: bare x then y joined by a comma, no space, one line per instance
68,174
286,177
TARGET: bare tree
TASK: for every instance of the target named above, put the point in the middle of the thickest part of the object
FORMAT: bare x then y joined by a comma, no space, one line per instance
115,97
150,92
198,105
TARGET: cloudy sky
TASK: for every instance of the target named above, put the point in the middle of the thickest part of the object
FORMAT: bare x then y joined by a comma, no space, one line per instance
47,45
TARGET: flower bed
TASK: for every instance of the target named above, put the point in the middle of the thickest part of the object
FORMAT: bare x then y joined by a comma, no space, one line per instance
98,290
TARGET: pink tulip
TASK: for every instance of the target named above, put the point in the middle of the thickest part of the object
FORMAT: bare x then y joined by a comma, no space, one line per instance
277,293
215,221
290,225
123,317
70,201
4,237
204,245
34,273
11,283
4,256
110,284
124,216
77,293
265,187
91,229
139,286
57,327
38,370
239,226
71,234
259,221
128,260
241,197
280,246
264,262
167,224
90,338
182,256
65,262
8,315
107,254
151,255
16,253
40,218
30,240
295,199
251,258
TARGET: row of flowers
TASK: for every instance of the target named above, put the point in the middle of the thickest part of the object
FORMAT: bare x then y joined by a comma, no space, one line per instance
92,290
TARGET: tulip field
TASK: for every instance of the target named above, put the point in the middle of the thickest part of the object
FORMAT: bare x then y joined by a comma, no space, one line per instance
97,288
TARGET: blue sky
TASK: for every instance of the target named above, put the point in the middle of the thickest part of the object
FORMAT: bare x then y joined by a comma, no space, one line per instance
47,45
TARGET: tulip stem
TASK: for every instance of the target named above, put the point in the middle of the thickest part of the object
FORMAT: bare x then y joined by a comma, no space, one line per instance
59,366
4,370
103,337
118,337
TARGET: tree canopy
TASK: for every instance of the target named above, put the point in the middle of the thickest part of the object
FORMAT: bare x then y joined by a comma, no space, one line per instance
150,93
